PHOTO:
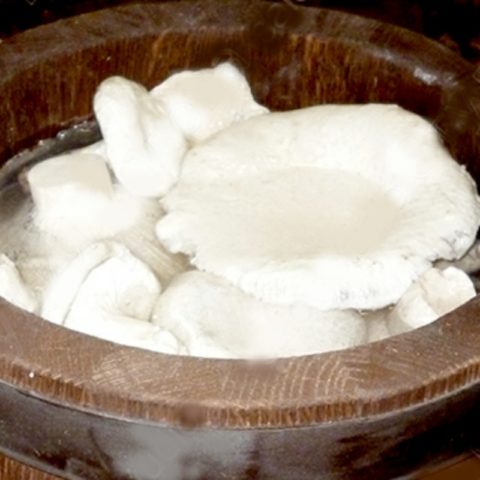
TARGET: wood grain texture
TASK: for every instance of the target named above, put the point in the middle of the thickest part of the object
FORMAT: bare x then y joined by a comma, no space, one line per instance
12,470
292,57
78,444
465,467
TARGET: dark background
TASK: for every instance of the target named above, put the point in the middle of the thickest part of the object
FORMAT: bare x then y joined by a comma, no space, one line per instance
455,23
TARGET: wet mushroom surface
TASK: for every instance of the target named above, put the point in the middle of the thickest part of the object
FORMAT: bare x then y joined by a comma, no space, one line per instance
205,225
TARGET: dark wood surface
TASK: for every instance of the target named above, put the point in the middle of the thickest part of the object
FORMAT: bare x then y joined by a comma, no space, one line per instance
466,467
12,470
94,410
454,22
79,444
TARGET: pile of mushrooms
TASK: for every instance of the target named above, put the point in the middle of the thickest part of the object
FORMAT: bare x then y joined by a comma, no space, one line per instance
306,231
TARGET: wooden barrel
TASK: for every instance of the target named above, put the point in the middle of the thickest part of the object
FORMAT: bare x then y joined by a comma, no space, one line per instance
80,407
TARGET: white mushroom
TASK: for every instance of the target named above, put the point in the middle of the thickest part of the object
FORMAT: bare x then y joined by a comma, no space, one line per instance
67,179
143,145
332,206
120,286
62,289
435,293
214,319
377,325
108,293
12,287
125,331
116,301
205,101
76,201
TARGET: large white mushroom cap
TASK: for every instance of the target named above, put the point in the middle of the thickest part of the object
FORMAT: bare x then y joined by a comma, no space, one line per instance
330,206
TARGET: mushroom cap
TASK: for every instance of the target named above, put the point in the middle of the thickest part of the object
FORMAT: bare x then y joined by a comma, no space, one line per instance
12,287
62,289
109,293
338,206
202,102
211,318
66,190
435,293
60,185
143,145
116,301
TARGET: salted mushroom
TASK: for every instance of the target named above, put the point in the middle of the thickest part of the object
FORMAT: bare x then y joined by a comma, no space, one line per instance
116,301
76,200
68,178
331,206
125,330
63,287
12,287
211,318
377,325
202,102
143,145
435,293
108,293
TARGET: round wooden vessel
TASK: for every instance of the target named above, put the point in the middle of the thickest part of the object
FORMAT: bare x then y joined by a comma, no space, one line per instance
80,407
